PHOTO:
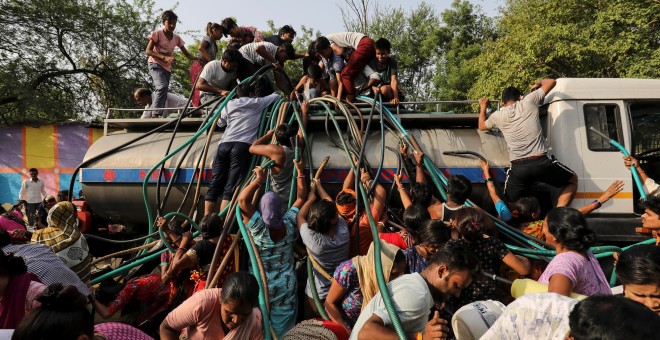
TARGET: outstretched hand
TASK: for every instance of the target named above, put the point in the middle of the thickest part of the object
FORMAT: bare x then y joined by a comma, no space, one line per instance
614,189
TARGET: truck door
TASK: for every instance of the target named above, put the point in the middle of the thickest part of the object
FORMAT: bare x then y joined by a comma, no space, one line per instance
603,163
644,116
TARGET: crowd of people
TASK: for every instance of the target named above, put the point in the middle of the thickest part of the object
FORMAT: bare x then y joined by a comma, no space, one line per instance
438,256
343,64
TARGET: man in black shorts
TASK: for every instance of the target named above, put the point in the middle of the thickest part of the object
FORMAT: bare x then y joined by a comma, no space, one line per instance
518,119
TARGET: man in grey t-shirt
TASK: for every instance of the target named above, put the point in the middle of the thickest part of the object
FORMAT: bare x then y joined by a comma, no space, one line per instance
218,77
519,121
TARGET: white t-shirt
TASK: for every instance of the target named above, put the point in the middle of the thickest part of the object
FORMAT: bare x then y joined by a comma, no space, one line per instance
533,316
521,126
346,39
249,52
216,76
173,100
411,299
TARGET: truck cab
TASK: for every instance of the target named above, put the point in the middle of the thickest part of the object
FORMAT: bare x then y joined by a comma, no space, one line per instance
626,110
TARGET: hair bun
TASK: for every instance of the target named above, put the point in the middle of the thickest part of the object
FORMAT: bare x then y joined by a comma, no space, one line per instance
60,298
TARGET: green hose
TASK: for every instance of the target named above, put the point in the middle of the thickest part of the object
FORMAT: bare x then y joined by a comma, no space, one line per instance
263,304
312,288
382,285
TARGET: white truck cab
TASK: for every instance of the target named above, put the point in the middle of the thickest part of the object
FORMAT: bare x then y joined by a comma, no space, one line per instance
626,110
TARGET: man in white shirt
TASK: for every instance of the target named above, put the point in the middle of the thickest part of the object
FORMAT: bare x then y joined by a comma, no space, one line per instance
218,77
240,118
258,54
33,192
449,271
143,97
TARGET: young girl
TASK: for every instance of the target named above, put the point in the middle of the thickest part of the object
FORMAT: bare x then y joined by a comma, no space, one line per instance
207,52
240,35
160,50
312,85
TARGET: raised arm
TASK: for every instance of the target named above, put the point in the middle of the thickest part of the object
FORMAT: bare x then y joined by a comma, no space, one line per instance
405,198
298,87
349,181
262,147
501,207
246,195
301,187
483,106
379,195
630,161
420,176
301,218
611,191
321,191
546,85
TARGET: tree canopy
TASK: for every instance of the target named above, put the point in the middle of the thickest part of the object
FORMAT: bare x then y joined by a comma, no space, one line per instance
63,60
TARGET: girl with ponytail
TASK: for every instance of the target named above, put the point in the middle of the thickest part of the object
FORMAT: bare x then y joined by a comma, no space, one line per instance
208,50
574,269
491,253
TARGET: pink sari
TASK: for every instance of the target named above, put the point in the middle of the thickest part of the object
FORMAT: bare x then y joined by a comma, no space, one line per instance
12,305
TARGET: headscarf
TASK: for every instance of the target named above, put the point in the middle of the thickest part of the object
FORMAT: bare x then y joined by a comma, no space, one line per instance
365,265
63,215
347,211
270,208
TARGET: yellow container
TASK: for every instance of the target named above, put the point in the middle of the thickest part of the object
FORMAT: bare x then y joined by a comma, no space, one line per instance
521,287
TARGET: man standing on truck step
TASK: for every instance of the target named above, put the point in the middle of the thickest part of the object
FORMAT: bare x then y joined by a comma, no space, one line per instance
519,121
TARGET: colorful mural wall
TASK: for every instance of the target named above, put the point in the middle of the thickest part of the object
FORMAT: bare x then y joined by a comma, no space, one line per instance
55,150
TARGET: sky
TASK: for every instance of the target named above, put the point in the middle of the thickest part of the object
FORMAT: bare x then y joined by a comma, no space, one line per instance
324,16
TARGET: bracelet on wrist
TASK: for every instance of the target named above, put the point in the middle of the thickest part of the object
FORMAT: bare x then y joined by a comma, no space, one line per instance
488,179
597,204
301,176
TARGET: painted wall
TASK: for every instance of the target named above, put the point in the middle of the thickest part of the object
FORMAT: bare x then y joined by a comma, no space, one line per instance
55,150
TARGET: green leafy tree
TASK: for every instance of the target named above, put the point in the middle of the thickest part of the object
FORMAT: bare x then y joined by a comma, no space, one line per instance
465,29
414,38
579,38
71,59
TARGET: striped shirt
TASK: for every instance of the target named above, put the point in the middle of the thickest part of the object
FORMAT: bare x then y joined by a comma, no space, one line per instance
249,52
42,262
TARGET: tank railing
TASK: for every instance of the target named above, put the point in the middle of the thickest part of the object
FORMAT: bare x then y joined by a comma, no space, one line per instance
176,110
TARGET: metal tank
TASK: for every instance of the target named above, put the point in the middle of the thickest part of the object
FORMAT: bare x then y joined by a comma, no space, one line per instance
113,185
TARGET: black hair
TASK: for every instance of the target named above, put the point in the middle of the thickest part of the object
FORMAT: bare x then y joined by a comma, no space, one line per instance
5,239
456,256
470,223
345,198
211,226
175,227
240,287
399,257
314,71
227,25
287,29
639,265
62,194
108,291
284,132
610,317
383,44
288,48
33,170
63,310
49,198
321,214
231,55
510,94
11,265
570,228
143,92
322,43
652,203
414,216
459,188
311,49
421,194
244,90
523,208
212,25
432,232
168,16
